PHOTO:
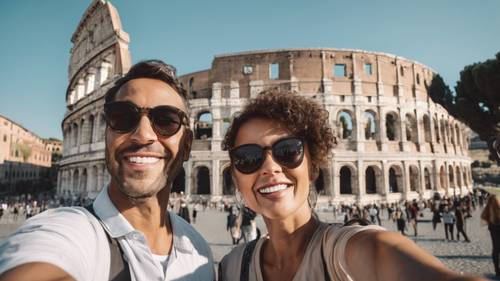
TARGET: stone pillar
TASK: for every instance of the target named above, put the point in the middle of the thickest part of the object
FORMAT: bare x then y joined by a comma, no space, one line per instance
215,176
382,129
420,131
361,180
385,179
188,165
358,119
216,90
90,81
335,188
422,179
380,83
402,126
256,86
357,85
80,89
406,175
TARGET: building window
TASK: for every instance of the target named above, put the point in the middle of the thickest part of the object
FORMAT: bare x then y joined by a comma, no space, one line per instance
274,71
418,78
339,70
401,70
247,69
368,68
4,138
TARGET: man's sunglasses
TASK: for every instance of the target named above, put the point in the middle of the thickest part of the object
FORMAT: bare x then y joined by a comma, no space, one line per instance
124,117
248,158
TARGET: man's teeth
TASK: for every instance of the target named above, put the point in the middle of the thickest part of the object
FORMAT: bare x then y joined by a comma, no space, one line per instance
143,160
273,188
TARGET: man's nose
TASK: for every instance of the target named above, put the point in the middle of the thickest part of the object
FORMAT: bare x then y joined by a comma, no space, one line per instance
144,133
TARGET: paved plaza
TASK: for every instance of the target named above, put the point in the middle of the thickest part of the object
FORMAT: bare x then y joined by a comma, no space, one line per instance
473,258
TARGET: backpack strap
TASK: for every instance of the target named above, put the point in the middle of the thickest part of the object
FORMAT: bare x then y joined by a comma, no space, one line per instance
245,260
118,269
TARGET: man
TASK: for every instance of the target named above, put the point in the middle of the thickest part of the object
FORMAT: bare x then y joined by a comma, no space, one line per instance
147,140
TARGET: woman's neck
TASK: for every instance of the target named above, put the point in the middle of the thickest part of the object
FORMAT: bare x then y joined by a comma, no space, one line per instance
288,238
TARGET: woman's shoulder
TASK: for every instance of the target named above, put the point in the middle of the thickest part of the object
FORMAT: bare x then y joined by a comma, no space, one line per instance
230,265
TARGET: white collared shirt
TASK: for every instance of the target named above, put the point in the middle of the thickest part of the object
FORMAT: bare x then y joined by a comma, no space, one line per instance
74,240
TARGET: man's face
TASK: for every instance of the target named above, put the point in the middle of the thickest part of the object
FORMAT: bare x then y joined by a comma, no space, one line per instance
141,162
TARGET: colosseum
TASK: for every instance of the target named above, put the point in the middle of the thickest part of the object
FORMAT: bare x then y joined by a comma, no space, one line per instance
394,142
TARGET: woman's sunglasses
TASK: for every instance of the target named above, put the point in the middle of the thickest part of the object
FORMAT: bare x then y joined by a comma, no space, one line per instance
248,158
124,117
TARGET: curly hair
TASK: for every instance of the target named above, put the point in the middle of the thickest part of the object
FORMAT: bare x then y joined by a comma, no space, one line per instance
303,117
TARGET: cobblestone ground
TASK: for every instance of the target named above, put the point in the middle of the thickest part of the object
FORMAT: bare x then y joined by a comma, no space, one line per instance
472,258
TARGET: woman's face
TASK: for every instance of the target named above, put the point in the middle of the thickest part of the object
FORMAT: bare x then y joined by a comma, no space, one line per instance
274,191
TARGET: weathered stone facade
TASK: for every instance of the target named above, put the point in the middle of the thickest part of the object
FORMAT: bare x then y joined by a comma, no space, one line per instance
394,142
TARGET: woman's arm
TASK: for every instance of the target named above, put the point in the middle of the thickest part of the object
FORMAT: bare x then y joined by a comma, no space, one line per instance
387,256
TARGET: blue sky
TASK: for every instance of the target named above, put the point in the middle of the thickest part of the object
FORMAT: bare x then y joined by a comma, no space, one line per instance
35,37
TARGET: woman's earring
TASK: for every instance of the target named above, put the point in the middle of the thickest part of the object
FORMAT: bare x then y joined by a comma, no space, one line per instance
312,197
239,199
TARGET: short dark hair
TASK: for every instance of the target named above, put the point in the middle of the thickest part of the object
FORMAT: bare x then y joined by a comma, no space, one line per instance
302,116
154,69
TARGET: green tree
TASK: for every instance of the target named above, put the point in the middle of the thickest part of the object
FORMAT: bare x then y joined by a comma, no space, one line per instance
476,100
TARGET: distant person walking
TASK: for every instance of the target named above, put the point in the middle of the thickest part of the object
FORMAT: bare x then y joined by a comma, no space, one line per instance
449,222
400,218
460,217
491,215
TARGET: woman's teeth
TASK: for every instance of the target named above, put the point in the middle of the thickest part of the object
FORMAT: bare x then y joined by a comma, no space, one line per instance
273,188
143,160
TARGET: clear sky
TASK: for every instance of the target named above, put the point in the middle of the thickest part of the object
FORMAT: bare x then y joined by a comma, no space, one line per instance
35,38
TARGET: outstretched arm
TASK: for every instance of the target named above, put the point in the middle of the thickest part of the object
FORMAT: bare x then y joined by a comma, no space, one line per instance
389,256
36,271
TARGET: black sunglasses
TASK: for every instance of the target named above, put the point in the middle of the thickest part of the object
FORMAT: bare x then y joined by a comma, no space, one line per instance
248,158
124,117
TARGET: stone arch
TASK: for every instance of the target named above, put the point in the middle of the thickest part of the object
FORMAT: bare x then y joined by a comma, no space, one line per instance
392,126
347,179
83,179
345,124
370,124
102,127
443,131
427,179
451,176
203,125
436,130
396,180
90,131
411,127
459,134
75,131
179,183
372,179
427,128
458,175
202,185
93,174
228,187
414,178
83,129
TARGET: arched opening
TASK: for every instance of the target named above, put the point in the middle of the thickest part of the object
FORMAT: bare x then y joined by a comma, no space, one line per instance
370,125
179,183
203,127
427,176
436,130
345,124
459,177
395,179
451,177
90,129
391,126
319,183
83,131
411,128
459,135
83,185
370,180
345,180
427,128
414,178
228,187
74,141
203,180
76,179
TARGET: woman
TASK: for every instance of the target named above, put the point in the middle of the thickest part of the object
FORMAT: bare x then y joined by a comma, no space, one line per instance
276,146
491,215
